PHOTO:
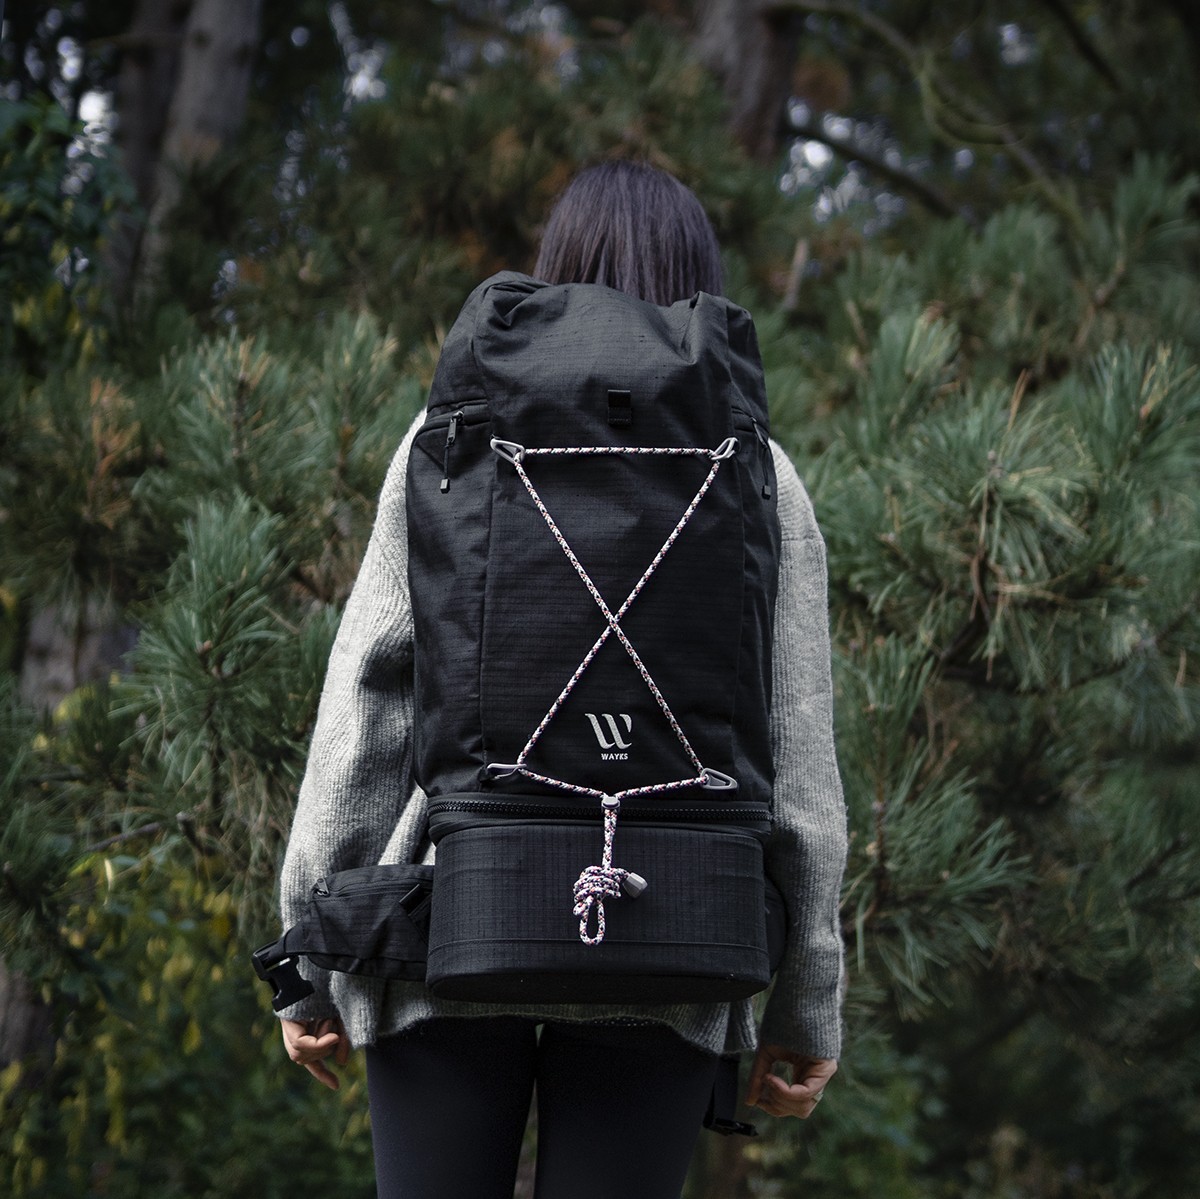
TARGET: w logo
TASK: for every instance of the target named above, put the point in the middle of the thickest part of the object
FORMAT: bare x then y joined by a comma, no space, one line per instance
614,739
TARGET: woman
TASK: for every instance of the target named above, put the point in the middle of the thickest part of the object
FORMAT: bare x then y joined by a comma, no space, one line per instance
621,1090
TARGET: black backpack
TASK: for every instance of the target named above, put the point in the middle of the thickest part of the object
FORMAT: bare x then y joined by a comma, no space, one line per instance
593,554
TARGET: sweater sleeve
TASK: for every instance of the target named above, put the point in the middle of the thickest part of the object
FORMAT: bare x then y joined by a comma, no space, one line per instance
357,784
806,852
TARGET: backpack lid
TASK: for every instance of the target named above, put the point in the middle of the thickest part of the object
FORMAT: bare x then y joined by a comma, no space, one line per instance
528,344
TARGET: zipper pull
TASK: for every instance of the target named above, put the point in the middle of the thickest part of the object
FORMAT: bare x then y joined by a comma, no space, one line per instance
764,449
451,434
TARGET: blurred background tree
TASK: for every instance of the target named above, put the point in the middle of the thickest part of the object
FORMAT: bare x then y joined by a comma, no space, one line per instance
969,238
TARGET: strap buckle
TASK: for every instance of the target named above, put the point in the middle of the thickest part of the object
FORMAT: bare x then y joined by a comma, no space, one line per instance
287,984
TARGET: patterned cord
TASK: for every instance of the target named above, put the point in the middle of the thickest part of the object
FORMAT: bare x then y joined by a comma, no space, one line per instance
613,621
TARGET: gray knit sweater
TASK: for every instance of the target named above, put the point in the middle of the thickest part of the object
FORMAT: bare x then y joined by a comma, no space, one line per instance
358,804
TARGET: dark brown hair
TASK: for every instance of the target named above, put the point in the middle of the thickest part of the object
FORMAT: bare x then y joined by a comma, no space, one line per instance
633,228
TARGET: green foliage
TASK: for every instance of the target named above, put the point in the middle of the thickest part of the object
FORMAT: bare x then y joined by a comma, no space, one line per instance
868,1143
35,834
925,897
984,102
307,430
57,200
179,1052
999,428
224,687
74,447
400,205
871,1141
1010,507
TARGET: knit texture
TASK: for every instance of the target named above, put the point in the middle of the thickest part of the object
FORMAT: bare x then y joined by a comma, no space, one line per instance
358,805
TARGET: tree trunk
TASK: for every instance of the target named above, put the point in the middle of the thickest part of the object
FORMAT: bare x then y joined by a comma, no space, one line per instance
67,646
146,82
25,1033
1188,15
207,106
751,46
63,650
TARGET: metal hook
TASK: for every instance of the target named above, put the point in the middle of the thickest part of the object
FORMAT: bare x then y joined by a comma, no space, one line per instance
726,449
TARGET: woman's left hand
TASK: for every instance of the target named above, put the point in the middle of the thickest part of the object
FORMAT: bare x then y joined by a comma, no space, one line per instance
777,1097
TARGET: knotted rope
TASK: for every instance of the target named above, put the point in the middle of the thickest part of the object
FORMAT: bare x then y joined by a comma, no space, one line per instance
606,881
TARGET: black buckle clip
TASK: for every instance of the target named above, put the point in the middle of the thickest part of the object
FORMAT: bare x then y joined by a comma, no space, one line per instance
287,985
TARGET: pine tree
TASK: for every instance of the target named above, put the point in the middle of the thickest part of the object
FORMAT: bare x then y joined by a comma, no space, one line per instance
1011,514
998,423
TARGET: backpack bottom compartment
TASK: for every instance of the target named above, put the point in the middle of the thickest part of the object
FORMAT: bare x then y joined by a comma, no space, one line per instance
502,929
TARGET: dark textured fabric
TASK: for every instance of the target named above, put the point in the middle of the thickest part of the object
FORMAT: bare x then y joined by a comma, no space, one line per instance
619,1109
371,920
358,803
501,620
502,926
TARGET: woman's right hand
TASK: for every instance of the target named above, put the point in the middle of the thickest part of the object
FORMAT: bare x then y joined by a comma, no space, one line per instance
310,1042
775,1095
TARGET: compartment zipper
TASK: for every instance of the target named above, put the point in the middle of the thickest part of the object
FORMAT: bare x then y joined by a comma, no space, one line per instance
503,808
361,889
764,450
456,419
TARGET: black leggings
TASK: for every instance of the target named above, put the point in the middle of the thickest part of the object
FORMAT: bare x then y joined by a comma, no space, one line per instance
619,1109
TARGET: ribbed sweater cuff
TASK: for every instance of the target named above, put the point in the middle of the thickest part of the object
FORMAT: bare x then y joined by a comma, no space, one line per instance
813,1027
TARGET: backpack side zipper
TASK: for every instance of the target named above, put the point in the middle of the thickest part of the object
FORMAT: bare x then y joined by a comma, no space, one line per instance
456,418
741,418
764,451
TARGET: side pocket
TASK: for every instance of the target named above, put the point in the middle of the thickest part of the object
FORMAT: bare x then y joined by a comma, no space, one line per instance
373,920
449,515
